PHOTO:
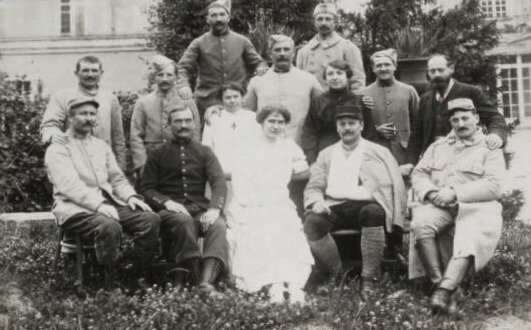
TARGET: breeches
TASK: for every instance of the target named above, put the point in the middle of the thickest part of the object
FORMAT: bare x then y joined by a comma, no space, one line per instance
179,233
348,215
429,220
106,233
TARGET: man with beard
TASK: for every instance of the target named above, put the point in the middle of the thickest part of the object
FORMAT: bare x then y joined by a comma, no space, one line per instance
395,109
149,123
221,57
353,184
327,46
289,87
93,198
434,117
173,182
456,228
109,122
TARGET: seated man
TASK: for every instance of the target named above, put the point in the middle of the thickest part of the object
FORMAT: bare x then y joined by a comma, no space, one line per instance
458,180
174,182
354,183
92,196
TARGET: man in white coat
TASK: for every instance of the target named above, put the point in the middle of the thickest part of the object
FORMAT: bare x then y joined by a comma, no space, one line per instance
458,181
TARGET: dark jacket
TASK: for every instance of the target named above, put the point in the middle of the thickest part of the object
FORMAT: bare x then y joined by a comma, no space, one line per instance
179,170
425,130
319,130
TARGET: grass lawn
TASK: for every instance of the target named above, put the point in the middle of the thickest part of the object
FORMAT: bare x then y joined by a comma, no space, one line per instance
34,294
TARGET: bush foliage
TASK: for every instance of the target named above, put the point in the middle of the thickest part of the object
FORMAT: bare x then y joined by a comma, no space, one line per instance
502,288
23,182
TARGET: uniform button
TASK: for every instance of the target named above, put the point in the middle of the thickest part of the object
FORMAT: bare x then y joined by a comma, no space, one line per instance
183,154
388,102
164,140
183,170
185,195
185,185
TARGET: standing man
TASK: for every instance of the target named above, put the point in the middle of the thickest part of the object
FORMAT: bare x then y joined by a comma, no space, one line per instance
284,85
395,108
434,116
149,123
221,56
108,126
174,182
92,196
327,46
356,184
288,87
458,181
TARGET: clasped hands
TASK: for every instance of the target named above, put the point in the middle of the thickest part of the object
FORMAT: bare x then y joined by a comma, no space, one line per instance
444,197
133,202
206,219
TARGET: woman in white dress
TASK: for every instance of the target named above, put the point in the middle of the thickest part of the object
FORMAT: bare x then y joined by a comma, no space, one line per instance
227,128
268,244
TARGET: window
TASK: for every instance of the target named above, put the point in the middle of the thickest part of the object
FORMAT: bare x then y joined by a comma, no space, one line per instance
65,16
494,8
509,92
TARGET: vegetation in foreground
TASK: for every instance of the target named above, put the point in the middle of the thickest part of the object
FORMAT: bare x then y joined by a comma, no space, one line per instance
502,288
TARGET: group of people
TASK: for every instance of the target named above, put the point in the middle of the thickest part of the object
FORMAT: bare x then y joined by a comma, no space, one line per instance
264,170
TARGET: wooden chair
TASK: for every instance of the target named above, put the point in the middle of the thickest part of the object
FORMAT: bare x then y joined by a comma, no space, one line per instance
73,247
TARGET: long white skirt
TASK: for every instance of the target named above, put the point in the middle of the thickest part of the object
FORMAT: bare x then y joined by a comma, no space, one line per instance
269,247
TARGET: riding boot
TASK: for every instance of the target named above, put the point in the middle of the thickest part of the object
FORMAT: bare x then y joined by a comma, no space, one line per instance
429,255
326,255
372,248
211,268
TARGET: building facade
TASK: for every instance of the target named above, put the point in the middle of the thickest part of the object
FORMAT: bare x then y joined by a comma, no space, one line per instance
41,41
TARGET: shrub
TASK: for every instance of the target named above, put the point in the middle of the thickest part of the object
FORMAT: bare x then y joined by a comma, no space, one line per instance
23,183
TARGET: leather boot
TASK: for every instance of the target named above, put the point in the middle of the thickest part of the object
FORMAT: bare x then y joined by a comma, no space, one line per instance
211,269
368,287
110,279
326,256
193,265
429,255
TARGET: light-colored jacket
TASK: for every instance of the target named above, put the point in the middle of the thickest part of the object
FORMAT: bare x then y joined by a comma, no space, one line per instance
109,121
379,174
149,123
80,171
476,174
316,54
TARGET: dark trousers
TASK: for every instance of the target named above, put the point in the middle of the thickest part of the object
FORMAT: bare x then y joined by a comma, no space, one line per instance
203,103
348,215
179,233
106,233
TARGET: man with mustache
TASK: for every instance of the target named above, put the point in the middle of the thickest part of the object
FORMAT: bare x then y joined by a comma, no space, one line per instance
456,228
353,184
221,57
109,126
149,122
92,196
434,121
395,109
173,182
289,87
327,46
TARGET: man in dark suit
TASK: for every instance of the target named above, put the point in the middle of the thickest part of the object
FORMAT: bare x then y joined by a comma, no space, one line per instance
433,107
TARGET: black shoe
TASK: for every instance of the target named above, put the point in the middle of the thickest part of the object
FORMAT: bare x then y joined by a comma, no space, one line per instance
368,287
440,301
193,266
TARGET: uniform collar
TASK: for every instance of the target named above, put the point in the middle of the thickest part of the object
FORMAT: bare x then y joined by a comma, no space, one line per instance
476,138
318,41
